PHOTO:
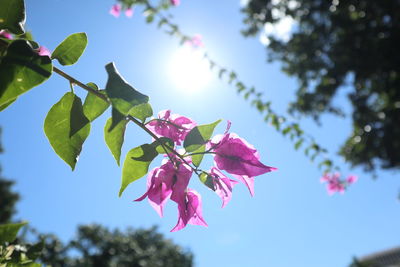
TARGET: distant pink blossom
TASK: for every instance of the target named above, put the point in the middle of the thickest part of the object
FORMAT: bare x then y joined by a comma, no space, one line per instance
172,126
167,182
43,51
5,34
190,212
335,184
115,10
223,185
129,12
196,41
175,2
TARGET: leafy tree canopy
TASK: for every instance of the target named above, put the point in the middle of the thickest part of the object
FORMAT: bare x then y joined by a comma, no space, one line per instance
334,44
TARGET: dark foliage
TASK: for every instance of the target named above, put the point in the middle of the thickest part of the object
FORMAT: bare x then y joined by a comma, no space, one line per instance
343,43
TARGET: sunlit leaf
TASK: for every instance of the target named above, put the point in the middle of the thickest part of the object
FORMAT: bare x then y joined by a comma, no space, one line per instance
12,16
8,232
141,111
114,134
94,106
207,180
21,70
67,128
198,136
197,158
136,164
163,144
122,95
71,49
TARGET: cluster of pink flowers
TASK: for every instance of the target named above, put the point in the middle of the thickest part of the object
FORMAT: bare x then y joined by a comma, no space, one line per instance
117,8
175,2
335,184
170,180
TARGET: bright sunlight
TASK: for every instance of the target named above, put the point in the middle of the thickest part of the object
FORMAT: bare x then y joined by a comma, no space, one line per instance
188,70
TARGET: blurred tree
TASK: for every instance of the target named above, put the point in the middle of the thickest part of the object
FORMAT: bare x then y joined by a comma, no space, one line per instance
95,245
8,198
334,44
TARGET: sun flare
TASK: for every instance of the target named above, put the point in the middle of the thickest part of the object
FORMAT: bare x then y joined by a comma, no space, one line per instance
188,69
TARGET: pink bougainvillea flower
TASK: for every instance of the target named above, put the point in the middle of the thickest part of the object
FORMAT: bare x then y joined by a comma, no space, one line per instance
115,10
129,12
175,2
223,185
351,179
335,184
43,51
173,126
167,182
190,211
236,156
196,41
5,34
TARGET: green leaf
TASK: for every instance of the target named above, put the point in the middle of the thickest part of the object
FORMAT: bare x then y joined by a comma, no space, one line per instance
207,180
12,16
8,232
94,106
196,159
198,136
5,105
71,49
67,128
21,69
35,251
298,144
122,95
136,164
162,143
114,134
141,111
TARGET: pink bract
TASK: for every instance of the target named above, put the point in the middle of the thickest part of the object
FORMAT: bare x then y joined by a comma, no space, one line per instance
173,126
175,2
166,182
115,10
190,211
5,34
223,185
129,12
43,51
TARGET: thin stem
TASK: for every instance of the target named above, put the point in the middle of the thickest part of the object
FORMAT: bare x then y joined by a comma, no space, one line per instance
173,124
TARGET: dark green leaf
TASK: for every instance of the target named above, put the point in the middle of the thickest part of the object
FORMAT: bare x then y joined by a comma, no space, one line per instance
298,144
198,136
21,69
67,128
35,251
141,111
94,106
12,16
207,180
122,95
5,105
114,135
71,49
8,232
136,164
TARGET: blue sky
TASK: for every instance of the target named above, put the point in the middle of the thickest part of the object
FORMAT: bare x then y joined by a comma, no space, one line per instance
290,221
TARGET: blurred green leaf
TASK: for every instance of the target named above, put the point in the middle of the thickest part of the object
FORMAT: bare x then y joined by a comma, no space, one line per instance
67,128
8,232
94,106
196,159
12,16
122,95
198,136
114,134
21,69
71,49
136,164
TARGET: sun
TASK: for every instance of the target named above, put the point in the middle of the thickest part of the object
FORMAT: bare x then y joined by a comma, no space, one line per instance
188,70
